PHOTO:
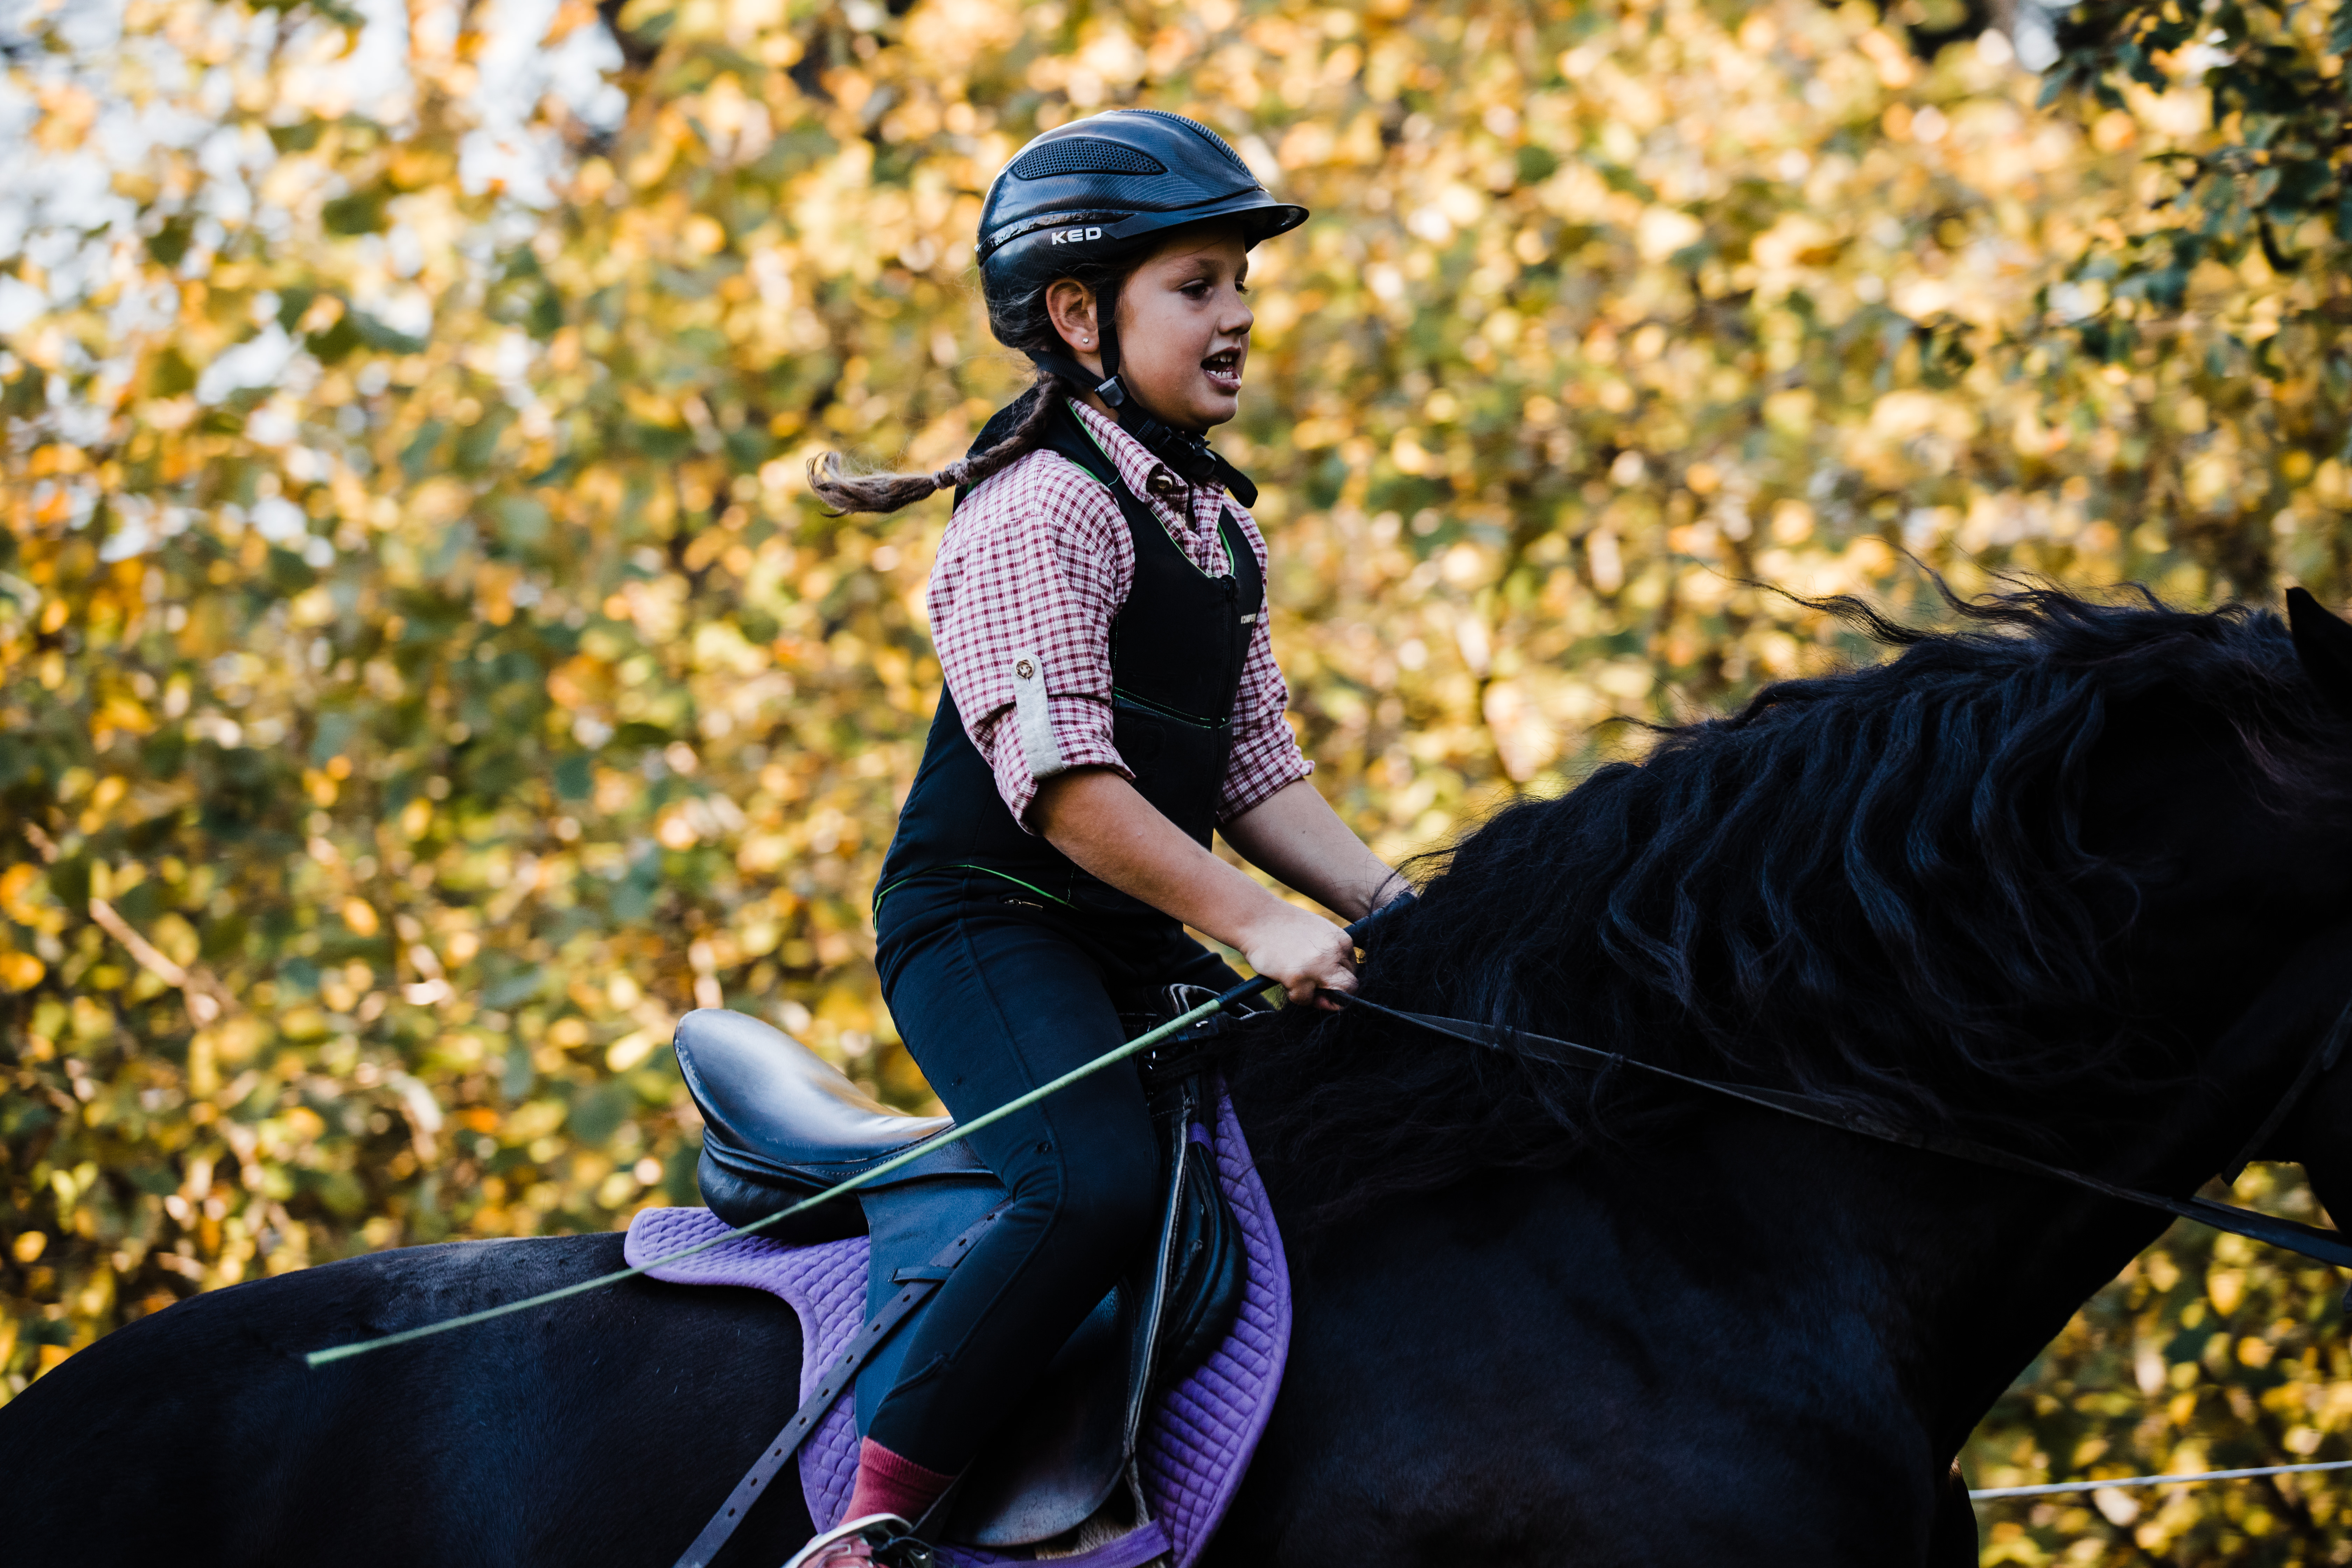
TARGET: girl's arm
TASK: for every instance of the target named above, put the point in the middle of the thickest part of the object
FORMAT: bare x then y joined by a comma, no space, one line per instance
1295,836
1099,820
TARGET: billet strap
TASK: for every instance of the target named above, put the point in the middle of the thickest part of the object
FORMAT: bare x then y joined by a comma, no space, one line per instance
919,1282
2311,1241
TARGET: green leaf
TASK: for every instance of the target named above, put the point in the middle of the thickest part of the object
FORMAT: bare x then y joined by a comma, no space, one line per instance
336,730
169,244
575,777
288,572
168,374
300,136
292,301
361,212
522,522
514,989
336,343
418,458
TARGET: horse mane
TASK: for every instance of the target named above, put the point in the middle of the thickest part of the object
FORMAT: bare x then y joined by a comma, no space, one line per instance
1871,886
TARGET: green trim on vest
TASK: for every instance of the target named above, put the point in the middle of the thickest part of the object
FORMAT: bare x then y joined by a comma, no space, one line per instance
967,866
1224,515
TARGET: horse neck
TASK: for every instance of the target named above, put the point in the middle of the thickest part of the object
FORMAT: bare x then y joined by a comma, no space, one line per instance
2019,1256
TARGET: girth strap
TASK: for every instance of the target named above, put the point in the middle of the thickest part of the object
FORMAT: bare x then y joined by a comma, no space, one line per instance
2309,1240
919,1285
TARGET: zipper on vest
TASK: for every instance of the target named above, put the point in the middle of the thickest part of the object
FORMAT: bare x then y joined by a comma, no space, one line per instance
1149,706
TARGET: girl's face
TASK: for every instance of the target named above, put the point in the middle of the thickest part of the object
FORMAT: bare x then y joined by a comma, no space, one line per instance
1184,326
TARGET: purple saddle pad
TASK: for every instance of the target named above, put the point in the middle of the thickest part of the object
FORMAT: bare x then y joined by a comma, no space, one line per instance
1196,1442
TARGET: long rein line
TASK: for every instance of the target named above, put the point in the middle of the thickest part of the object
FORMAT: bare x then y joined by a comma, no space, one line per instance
2185,1477
2310,1241
2315,1242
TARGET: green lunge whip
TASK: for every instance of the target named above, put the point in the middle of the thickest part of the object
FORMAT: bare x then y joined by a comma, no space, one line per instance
1248,988
913,1152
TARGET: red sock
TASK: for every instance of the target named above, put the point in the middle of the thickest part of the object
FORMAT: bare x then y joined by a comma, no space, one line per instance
889,1484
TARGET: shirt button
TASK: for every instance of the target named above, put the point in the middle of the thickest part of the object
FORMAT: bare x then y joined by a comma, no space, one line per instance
1161,482
1025,669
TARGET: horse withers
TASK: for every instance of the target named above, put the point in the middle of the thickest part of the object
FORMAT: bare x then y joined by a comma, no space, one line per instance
2076,878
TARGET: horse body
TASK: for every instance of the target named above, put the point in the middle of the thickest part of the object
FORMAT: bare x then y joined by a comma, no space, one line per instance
1533,1371
1734,1343
1664,1397
1540,1319
604,1428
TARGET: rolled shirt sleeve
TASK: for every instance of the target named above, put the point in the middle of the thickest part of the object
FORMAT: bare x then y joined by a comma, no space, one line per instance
1033,570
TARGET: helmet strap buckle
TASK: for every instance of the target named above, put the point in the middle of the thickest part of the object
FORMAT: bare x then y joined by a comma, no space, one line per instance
1186,452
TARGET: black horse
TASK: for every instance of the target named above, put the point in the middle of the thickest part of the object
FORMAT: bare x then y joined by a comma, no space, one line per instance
2077,878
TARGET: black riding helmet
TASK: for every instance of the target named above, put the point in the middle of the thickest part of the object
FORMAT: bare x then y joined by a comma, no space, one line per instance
1103,187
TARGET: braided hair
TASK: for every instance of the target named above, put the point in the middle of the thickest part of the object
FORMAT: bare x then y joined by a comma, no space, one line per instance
1021,322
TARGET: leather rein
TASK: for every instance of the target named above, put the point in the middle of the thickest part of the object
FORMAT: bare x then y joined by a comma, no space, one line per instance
2314,1242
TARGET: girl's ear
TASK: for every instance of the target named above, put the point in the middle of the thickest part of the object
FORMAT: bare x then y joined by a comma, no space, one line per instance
1071,305
2324,643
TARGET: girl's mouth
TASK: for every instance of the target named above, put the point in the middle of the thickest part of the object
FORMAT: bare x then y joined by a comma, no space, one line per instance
1224,370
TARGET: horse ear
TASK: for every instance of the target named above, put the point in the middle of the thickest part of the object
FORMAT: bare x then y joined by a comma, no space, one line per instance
2324,643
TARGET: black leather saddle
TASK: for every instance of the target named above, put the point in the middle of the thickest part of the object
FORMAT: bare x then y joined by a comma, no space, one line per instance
783,1126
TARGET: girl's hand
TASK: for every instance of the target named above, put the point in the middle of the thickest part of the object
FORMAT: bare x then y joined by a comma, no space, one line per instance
1302,950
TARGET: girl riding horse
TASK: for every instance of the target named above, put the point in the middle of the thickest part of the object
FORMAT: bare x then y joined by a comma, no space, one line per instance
1098,605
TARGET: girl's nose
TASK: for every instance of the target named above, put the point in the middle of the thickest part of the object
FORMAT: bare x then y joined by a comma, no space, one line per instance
1238,316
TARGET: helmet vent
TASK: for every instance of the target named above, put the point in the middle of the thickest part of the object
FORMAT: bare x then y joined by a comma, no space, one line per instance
1084,156
1204,133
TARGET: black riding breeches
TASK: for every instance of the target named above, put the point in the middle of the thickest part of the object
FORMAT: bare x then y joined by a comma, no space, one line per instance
996,991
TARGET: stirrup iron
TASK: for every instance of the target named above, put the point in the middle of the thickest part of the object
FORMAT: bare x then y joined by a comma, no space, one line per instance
890,1539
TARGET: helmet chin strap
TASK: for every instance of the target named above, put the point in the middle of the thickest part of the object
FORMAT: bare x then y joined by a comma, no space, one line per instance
1183,450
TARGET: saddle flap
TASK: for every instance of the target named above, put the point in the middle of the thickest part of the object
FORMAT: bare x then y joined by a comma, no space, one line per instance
1061,1455
1063,1448
906,1225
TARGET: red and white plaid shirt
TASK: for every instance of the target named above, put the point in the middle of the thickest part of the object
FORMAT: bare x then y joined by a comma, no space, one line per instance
1037,560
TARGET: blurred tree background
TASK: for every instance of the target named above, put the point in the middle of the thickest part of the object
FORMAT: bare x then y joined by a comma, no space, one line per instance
422,675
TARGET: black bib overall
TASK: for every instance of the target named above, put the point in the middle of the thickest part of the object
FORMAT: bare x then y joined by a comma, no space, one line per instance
1005,965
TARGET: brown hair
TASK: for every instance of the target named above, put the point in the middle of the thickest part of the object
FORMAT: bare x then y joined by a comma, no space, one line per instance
1021,323
845,491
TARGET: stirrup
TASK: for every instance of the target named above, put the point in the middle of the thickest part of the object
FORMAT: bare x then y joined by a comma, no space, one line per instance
890,1538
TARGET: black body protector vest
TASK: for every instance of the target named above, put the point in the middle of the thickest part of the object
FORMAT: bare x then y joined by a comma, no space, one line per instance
1177,648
